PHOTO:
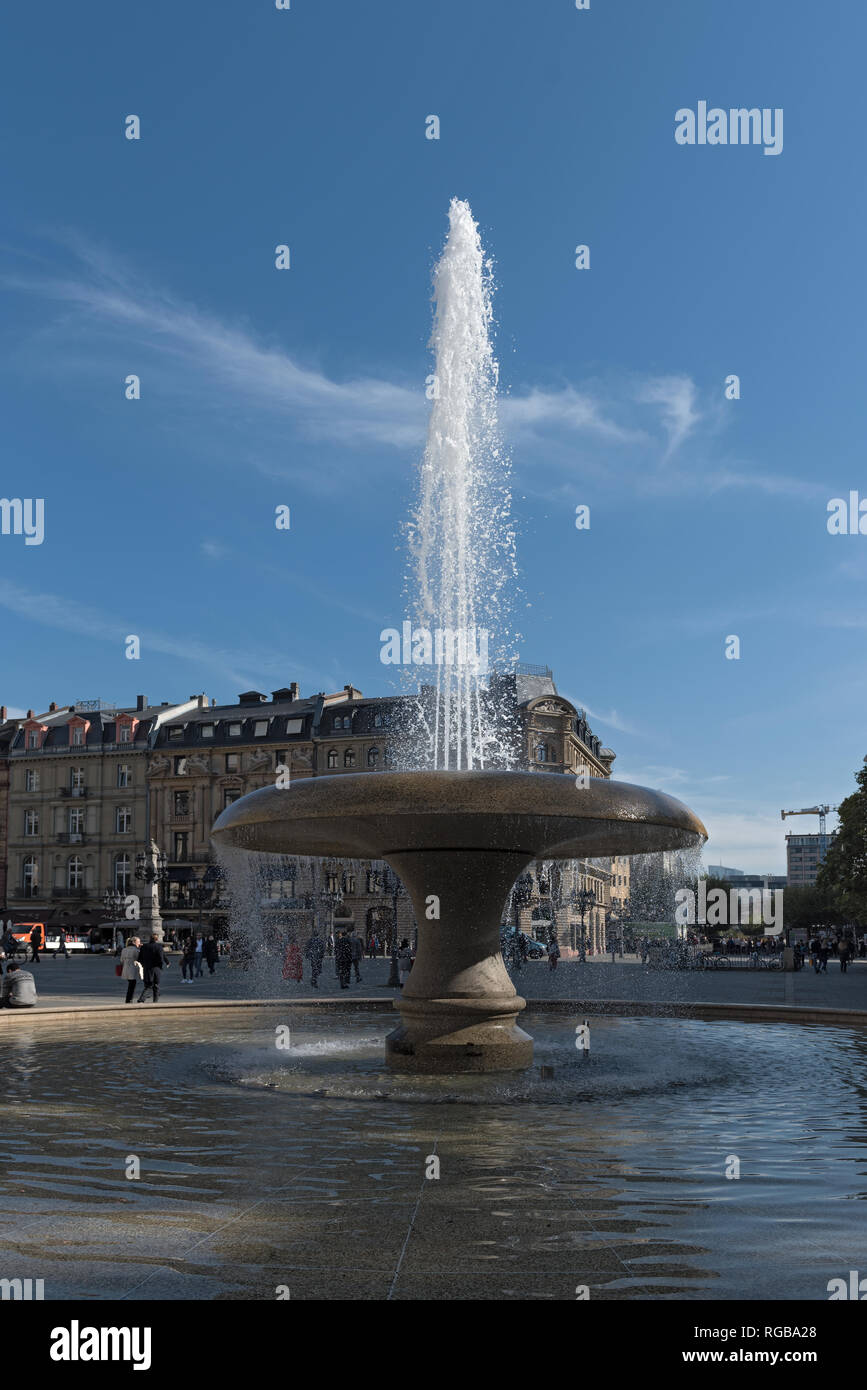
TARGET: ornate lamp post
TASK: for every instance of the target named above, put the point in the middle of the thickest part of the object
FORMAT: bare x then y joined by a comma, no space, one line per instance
332,898
583,899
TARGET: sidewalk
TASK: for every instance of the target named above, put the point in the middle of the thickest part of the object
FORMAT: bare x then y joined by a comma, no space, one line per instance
89,982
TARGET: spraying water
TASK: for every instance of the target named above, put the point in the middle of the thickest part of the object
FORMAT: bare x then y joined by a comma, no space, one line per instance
461,539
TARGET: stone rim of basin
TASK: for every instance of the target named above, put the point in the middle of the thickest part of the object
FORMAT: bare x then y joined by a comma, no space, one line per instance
545,814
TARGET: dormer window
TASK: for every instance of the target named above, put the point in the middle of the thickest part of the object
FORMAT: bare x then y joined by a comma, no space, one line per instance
124,734
234,730
175,735
260,728
207,731
33,738
77,738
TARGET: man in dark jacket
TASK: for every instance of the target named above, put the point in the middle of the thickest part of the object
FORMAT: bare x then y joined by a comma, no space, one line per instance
343,959
35,941
153,963
209,951
314,951
356,945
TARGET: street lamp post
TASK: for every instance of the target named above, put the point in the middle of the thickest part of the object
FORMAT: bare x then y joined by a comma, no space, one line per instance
583,899
392,885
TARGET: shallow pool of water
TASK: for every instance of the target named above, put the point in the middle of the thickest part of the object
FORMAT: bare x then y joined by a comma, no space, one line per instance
312,1168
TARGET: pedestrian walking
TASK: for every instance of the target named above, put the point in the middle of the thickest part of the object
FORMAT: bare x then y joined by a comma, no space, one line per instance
199,951
153,963
292,965
844,953
343,959
357,952
404,962
315,951
553,952
130,968
188,960
61,945
35,943
211,954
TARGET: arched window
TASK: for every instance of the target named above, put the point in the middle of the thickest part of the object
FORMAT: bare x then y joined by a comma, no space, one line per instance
121,873
349,758
30,876
372,757
74,873
332,758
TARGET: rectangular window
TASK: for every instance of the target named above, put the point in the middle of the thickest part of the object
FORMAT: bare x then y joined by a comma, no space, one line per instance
123,820
294,726
207,731
235,730
180,766
76,778
182,803
260,728
75,823
78,736
33,739
125,733
230,796
233,762
182,846
31,822
175,735
31,781
124,775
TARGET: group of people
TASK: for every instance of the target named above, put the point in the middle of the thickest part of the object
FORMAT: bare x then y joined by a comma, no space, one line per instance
823,949
145,963
349,952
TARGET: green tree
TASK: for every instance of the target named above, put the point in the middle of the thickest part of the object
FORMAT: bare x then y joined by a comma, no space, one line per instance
843,875
811,907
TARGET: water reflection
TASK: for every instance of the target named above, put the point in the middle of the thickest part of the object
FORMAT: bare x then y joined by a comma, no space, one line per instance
307,1167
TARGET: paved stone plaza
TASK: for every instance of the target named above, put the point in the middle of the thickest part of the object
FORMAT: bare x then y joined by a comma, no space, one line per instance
90,981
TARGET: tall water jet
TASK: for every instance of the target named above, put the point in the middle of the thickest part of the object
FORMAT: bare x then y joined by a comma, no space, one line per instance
460,537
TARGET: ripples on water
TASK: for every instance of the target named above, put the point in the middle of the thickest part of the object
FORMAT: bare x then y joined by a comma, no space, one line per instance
254,1158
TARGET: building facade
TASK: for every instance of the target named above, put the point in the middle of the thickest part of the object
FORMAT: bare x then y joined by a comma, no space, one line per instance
88,788
804,854
77,807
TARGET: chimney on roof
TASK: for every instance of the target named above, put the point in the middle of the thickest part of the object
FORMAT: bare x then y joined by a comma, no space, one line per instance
52,707
141,702
30,714
2,714
352,693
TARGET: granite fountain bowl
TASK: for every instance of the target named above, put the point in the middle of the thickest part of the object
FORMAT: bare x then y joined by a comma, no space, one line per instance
458,840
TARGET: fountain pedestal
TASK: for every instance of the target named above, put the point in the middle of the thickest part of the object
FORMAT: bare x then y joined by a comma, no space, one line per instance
458,1008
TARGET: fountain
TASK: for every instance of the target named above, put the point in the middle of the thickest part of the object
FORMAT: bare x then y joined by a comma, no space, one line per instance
460,830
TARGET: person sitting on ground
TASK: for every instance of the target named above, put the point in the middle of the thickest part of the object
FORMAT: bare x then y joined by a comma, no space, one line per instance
19,988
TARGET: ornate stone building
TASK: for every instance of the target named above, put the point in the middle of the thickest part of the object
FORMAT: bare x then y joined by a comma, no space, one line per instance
77,807
89,787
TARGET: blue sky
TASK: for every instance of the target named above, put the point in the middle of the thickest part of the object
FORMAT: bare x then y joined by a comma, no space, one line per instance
306,387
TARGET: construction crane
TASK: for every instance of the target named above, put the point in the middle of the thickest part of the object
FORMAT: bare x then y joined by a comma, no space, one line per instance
820,811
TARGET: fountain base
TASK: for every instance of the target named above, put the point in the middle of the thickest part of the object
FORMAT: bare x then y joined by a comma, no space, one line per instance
459,1035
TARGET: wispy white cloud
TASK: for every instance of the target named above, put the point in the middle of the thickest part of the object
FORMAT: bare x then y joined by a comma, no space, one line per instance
676,398
57,611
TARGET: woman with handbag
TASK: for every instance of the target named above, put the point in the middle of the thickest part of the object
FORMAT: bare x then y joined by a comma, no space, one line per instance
129,968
